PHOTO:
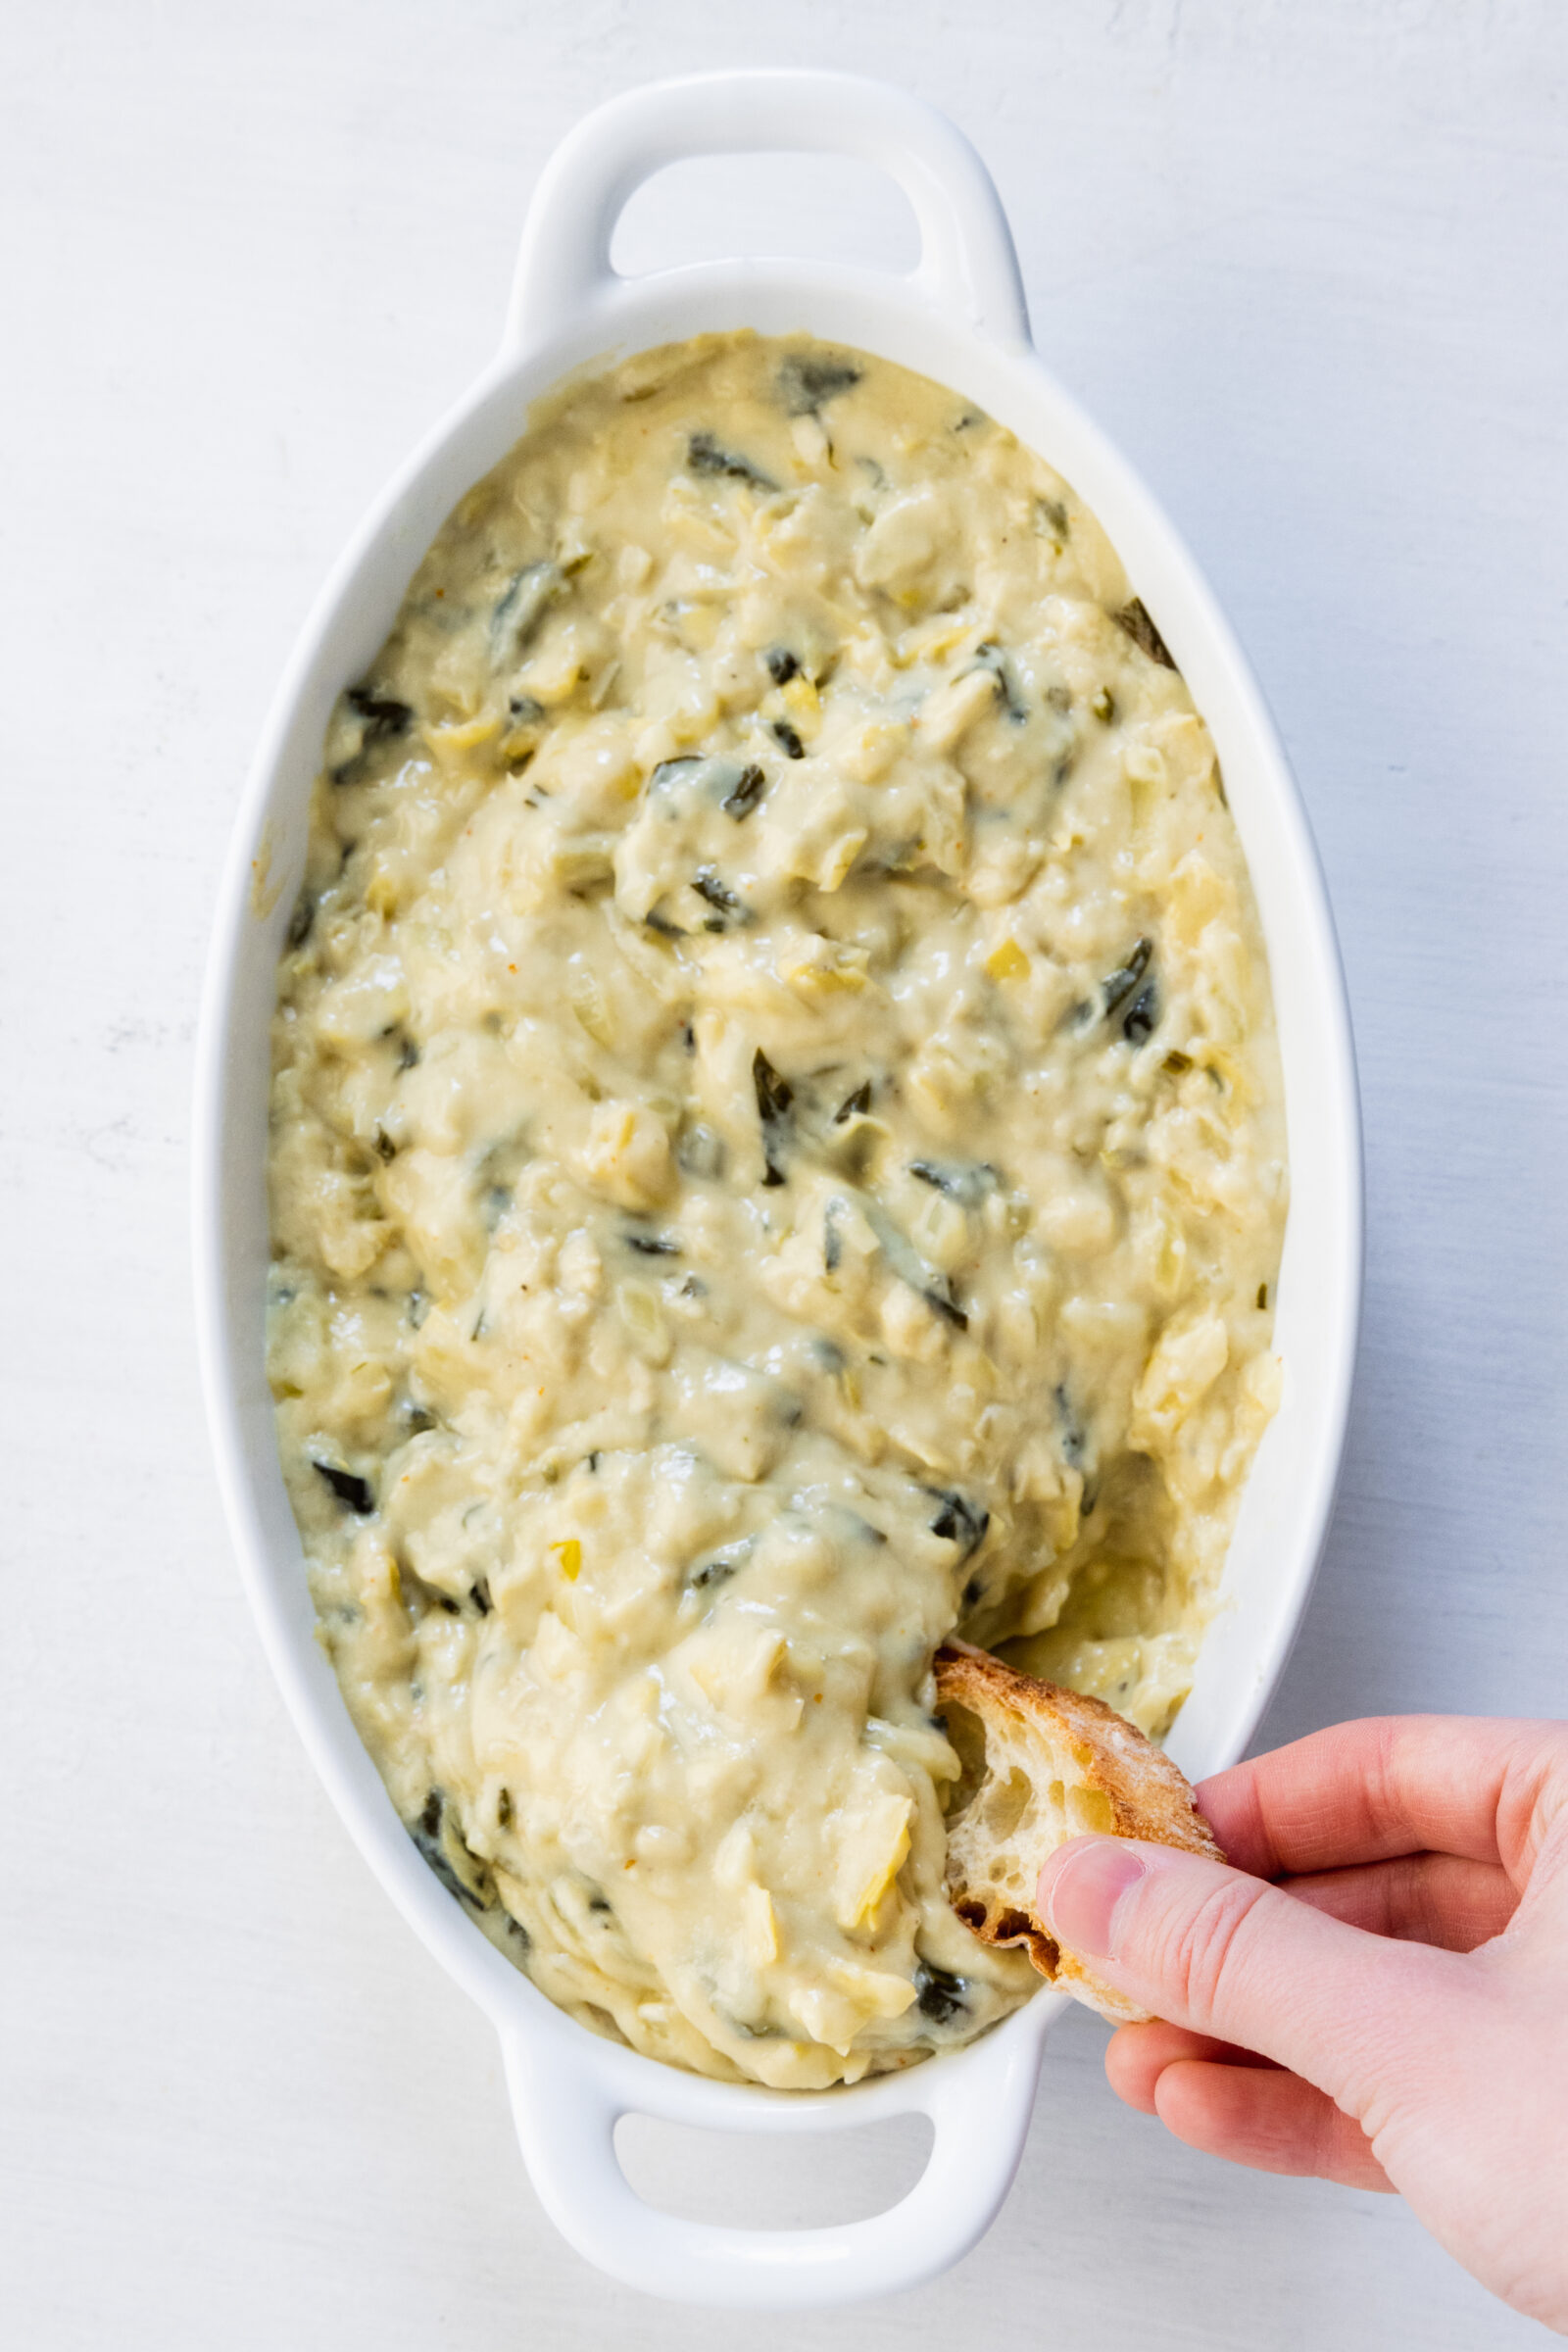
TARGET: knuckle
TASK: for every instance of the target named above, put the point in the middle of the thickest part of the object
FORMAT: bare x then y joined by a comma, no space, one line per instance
1205,1947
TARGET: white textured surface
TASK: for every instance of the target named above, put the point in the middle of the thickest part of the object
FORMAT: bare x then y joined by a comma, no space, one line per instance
1307,262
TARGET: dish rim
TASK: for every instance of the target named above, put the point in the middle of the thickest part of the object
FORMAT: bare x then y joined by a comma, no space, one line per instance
569,2085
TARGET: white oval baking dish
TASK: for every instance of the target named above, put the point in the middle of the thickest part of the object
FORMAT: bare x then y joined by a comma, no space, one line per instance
958,317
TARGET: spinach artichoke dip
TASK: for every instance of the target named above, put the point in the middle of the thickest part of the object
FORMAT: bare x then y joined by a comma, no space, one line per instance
776,1157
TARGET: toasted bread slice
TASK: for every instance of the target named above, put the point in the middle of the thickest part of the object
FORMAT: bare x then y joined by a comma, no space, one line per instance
1042,1765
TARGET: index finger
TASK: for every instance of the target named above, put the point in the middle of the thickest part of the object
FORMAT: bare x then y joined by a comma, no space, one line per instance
1478,1786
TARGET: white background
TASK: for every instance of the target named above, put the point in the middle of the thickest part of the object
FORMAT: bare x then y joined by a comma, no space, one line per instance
1307,262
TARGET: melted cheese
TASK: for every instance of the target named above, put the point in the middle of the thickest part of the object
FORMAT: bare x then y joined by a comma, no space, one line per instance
776,1153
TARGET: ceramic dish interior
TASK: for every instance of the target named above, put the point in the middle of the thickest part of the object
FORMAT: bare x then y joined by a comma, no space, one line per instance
958,318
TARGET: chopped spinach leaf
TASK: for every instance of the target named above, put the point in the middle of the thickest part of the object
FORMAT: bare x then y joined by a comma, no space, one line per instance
1053,522
938,1995
1144,1018
668,769
721,1567
1119,984
959,1521
383,715
427,1837
349,1489
807,378
747,791
1074,1443
718,894
968,1184
1135,621
774,1094
1010,693
704,456
521,606
940,1295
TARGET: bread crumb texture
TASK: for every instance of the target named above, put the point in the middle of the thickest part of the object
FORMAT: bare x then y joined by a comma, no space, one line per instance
1041,1765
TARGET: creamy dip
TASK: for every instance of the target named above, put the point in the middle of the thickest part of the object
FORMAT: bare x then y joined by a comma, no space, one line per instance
776,1155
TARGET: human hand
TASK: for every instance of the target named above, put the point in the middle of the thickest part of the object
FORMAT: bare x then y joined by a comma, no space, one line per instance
1391,2011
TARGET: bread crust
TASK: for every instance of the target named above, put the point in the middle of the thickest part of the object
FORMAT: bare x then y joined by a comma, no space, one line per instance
1145,1795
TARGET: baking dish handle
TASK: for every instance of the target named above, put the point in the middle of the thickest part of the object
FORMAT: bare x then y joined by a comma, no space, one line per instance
567,2113
967,264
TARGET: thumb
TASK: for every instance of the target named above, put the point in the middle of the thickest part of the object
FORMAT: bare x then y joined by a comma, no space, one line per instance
1208,1948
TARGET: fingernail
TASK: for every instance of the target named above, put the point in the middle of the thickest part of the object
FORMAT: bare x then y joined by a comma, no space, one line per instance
1079,1892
